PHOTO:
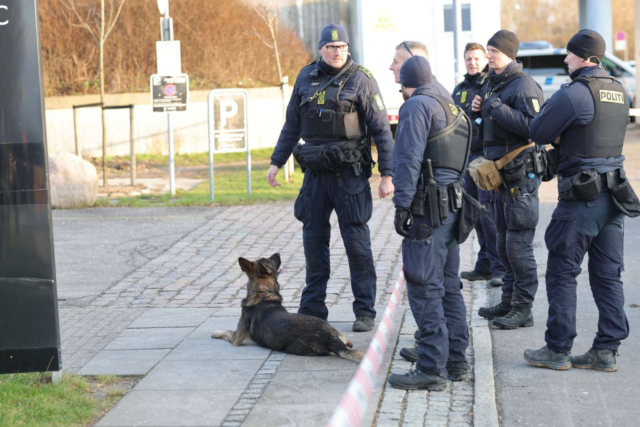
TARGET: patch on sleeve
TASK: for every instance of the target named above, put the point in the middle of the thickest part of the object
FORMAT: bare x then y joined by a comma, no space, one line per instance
365,71
321,98
536,105
379,102
463,97
454,109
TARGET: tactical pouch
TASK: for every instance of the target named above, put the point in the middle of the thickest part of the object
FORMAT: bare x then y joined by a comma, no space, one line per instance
318,158
551,162
587,186
469,215
565,189
625,198
455,195
485,174
515,172
443,202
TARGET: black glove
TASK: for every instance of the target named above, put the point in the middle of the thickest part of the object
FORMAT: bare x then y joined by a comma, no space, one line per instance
403,221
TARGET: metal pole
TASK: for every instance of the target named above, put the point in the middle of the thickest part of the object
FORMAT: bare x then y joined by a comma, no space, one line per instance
211,142
457,32
172,172
636,54
246,120
132,151
75,132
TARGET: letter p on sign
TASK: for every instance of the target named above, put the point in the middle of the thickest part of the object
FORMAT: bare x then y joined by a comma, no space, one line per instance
228,109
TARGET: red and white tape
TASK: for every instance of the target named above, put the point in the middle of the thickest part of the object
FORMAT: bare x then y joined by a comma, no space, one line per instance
354,403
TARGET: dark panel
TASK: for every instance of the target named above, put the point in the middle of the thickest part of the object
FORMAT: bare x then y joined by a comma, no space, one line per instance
29,332
27,311
20,102
23,179
26,249
30,360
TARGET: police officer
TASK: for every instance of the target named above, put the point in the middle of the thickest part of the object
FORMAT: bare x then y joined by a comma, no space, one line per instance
510,100
586,120
426,179
406,50
488,265
334,102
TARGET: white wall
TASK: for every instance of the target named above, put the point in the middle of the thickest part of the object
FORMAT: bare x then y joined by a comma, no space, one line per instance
150,131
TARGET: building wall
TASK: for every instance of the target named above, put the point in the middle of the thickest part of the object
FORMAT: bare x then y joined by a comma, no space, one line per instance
150,129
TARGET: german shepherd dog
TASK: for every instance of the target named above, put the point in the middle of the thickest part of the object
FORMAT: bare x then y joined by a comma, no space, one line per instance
267,323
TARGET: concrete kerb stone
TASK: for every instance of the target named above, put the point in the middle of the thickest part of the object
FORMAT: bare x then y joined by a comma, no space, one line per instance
485,410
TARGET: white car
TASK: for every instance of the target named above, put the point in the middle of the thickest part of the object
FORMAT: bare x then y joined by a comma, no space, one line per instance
546,65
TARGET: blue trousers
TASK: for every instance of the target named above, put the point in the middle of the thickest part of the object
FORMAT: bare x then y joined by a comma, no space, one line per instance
516,211
320,194
431,260
578,228
488,260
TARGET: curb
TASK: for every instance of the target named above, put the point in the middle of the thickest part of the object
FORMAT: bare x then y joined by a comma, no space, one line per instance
485,410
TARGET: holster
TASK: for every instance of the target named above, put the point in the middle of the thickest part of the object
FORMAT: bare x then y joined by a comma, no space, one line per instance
625,198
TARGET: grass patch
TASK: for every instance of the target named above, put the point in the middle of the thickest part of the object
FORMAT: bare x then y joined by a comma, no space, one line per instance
33,400
230,188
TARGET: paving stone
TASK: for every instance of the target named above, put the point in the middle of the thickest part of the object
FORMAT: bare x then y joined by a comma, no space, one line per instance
171,408
139,339
172,318
123,362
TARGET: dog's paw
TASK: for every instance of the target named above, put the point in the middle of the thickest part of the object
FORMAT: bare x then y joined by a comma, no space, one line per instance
218,334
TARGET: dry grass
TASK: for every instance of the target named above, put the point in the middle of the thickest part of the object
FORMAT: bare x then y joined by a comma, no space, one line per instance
219,48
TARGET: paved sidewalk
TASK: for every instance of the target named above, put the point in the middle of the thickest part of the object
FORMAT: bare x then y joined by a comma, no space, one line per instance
156,321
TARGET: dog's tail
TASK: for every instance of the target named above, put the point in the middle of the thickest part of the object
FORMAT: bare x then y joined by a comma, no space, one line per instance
340,349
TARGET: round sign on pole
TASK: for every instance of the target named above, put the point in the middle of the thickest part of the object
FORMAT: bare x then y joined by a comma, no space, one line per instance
170,90
620,35
163,5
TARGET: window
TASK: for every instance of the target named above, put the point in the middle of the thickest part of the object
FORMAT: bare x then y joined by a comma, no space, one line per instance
544,65
449,24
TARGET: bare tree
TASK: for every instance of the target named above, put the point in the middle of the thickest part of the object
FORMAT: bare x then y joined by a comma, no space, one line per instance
267,10
99,26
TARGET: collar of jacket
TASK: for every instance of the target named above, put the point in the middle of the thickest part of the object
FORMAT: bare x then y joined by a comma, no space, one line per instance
594,70
425,89
514,67
478,78
333,71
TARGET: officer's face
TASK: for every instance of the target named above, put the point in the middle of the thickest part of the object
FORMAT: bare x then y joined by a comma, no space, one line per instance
475,61
574,62
334,59
398,59
498,61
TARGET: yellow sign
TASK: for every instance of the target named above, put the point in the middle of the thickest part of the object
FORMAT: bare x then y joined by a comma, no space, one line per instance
611,96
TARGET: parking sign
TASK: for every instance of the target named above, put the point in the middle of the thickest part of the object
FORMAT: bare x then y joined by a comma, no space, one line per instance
169,93
228,117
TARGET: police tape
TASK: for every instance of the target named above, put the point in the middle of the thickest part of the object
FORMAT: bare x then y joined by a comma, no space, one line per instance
354,403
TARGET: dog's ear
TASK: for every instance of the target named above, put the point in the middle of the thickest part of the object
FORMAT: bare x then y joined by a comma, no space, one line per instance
265,269
245,265
276,259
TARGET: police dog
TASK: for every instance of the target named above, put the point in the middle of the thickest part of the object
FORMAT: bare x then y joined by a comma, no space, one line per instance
267,323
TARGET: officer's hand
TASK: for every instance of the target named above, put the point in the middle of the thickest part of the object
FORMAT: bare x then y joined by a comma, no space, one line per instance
476,105
403,221
271,176
386,187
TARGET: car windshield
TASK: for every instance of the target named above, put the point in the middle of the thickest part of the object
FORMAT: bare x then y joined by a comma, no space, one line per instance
614,70
544,65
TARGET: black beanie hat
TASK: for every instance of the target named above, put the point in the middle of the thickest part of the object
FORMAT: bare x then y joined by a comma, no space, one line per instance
333,33
415,72
506,42
586,44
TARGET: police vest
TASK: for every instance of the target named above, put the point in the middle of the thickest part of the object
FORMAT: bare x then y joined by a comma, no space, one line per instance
603,136
325,118
449,147
463,97
492,133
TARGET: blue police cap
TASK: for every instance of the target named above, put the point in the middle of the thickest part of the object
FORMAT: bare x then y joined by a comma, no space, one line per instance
415,72
333,33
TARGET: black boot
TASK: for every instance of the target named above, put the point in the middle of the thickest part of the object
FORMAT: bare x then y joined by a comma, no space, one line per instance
458,371
363,324
415,379
599,359
547,358
496,281
492,312
472,276
410,354
518,317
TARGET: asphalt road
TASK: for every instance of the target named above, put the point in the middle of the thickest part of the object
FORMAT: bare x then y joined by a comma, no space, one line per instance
95,248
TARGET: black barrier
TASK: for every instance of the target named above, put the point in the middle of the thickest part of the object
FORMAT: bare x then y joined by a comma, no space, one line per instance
29,333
